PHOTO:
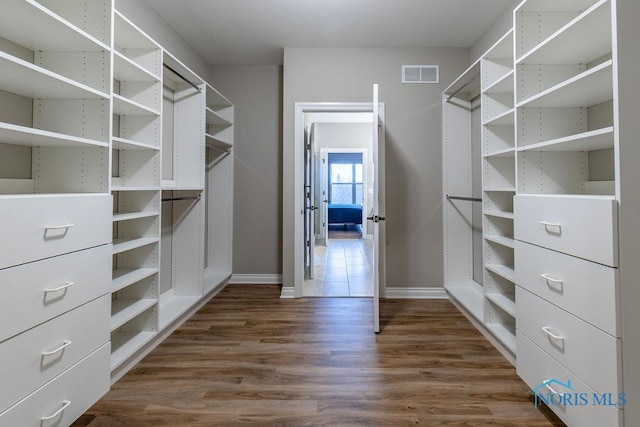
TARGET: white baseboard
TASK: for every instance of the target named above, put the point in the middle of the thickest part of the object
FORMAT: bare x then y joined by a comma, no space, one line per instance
255,279
415,293
288,292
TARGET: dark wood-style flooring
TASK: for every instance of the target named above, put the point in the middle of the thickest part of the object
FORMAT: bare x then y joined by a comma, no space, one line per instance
250,358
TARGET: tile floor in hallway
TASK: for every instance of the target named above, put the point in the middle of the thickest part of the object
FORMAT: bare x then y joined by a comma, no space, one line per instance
342,268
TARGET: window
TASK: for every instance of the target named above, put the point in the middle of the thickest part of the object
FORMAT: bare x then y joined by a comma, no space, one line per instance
346,178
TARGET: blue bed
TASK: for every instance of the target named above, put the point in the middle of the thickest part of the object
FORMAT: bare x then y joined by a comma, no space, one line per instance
345,214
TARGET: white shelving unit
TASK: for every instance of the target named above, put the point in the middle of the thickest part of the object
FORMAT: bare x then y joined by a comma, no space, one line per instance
55,84
135,186
219,189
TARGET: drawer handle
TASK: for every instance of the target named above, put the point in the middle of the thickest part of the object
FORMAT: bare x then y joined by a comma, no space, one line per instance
548,224
546,384
58,227
66,344
550,279
65,405
547,330
59,288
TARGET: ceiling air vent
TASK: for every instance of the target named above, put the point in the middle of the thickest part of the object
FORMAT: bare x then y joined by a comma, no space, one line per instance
420,74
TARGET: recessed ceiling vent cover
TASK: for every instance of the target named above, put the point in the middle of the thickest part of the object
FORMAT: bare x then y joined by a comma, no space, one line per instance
420,74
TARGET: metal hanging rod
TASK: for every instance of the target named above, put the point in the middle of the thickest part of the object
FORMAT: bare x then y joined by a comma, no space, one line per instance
174,199
182,77
468,199
467,83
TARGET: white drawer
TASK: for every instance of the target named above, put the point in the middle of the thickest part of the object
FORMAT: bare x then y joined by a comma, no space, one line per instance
588,352
535,366
584,288
75,390
31,288
37,227
586,227
25,364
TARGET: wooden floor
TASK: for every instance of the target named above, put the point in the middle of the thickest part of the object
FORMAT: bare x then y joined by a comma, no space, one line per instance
250,358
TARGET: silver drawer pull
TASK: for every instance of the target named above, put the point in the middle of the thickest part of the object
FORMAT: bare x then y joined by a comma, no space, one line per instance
66,344
546,384
547,225
550,279
547,331
65,405
59,288
58,227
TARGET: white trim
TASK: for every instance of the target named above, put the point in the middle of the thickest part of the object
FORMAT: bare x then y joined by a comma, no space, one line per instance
415,293
255,279
287,292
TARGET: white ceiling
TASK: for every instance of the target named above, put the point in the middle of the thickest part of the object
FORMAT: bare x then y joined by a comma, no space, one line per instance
251,32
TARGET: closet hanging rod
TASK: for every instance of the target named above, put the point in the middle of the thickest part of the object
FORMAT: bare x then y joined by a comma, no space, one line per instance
467,83
174,199
182,77
468,199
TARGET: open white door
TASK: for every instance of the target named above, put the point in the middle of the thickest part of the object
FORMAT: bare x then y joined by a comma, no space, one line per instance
309,217
324,189
378,212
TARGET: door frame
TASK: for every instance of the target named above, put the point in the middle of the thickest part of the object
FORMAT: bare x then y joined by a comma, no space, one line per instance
298,155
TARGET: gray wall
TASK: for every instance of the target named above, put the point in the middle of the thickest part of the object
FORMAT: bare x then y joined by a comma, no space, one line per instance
256,92
413,150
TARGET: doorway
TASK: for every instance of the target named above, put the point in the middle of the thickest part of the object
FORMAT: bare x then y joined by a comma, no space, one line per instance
338,197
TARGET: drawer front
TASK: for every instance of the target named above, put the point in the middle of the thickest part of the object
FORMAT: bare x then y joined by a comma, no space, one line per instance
578,226
33,356
534,366
587,351
75,390
38,227
40,290
586,289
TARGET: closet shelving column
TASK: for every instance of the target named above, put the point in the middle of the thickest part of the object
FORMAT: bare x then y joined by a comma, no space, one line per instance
55,83
219,189
566,207
458,180
498,183
183,182
135,186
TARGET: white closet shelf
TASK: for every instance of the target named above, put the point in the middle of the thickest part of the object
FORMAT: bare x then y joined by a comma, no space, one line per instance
504,271
133,215
29,80
505,301
500,214
598,139
577,42
17,186
134,188
172,308
213,118
588,88
507,152
461,85
499,189
503,48
124,277
171,185
504,119
213,279
123,245
124,310
501,240
502,85
127,144
555,5
215,100
504,334
125,69
470,298
128,35
21,135
124,344
213,141
124,106
32,25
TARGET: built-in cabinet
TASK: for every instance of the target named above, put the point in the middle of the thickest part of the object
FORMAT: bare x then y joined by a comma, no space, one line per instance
560,203
116,172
